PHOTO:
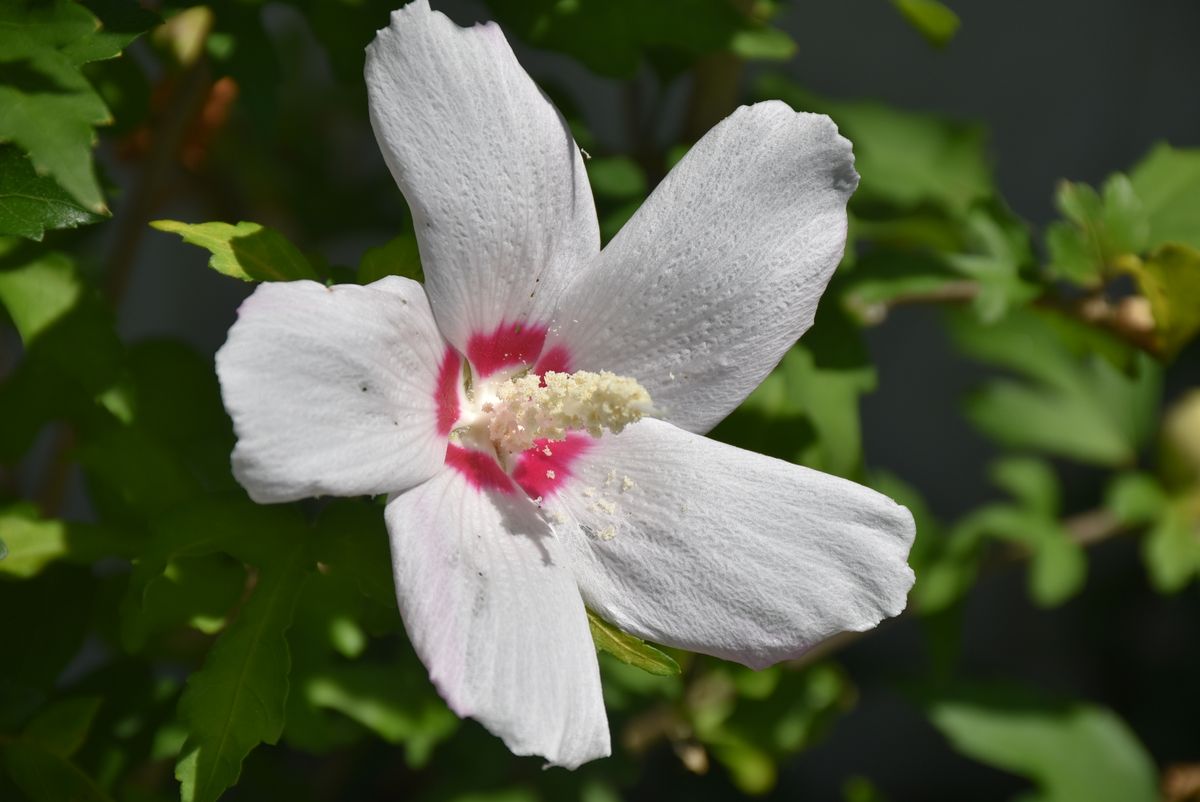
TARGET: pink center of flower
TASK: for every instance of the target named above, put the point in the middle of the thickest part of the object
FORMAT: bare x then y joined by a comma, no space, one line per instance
517,419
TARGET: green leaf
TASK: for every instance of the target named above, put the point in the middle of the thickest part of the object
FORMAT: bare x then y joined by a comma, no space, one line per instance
197,591
388,703
247,251
1030,481
1135,498
932,19
906,160
1070,751
616,37
45,776
616,178
47,106
30,203
1099,231
63,726
1073,402
1171,548
1169,278
763,44
629,649
399,257
33,542
752,721
236,701
1167,182
807,409
39,292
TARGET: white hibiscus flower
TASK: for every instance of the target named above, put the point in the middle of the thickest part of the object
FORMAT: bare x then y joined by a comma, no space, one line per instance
506,512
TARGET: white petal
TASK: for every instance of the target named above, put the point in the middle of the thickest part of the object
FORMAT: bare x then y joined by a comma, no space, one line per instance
334,390
498,192
720,271
692,543
496,617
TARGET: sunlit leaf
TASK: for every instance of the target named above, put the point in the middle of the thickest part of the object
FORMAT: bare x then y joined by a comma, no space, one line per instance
247,251
1169,278
30,204
399,257
629,649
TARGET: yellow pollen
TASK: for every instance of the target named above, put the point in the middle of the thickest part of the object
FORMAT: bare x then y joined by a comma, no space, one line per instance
526,411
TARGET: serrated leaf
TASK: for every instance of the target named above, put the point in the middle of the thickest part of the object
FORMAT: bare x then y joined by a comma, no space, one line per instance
1073,401
1071,751
48,777
1169,278
47,106
399,257
63,726
1167,182
1100,229
247,251
932,19
237,699
629,649
31,204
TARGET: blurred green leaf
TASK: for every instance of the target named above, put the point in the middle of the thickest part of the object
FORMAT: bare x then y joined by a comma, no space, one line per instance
752,721
39,292
248,251
31,203
763,44
197,591
48,107
63,726
1135,498
1169,278
1030,481
1098,232
1073,402
35,542
616,178
931,18
907,160
1167,182
1071,751
387,702
1171,547
629,649
236,701
615,37
45,776
399,257
807,409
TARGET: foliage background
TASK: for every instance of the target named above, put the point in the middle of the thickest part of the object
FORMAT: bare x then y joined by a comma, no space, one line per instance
1011,356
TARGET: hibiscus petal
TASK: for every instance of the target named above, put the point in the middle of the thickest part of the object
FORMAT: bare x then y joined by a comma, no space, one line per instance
719,272
496,617
334,390
499,196
692,543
